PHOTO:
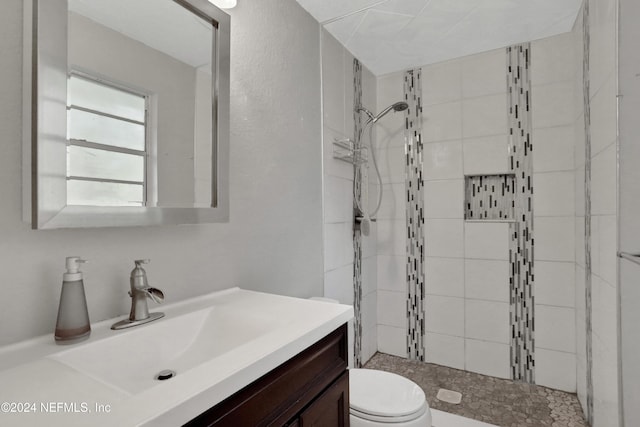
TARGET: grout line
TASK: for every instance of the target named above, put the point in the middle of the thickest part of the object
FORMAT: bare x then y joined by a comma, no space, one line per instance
464,236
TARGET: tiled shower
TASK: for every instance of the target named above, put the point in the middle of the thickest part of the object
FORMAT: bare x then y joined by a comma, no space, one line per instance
493,208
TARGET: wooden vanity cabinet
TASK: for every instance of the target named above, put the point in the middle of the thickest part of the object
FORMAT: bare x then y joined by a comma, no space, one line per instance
310,389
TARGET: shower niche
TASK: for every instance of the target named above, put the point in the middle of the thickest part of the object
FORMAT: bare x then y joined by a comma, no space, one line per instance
489,197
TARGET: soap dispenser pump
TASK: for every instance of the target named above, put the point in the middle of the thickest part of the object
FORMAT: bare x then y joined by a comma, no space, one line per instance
73,317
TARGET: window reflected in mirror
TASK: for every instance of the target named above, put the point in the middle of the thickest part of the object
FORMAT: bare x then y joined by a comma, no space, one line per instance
140,105
107,144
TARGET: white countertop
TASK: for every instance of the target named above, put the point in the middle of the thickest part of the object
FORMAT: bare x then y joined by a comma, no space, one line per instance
36,389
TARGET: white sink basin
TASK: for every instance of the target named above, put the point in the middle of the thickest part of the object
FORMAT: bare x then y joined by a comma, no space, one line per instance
131,360
216,343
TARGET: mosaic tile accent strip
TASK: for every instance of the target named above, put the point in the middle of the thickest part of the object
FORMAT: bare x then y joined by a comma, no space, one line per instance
587,210
521,243
414,189
357,235
489,197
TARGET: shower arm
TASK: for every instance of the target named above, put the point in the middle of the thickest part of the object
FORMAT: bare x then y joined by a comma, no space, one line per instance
367,112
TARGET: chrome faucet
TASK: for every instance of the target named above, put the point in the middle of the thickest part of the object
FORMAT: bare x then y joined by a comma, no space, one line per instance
140,291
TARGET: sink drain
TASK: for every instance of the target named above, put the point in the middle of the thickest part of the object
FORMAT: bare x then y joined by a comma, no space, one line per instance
165,375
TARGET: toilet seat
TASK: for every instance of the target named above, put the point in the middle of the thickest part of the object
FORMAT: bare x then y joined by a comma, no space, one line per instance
384,397
389,420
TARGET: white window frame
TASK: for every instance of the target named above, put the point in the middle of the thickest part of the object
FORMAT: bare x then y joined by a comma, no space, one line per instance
111,148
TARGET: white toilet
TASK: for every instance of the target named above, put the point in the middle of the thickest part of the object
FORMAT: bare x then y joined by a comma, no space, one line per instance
379,398
384,399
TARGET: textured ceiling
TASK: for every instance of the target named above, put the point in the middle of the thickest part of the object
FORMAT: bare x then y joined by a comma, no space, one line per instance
393,35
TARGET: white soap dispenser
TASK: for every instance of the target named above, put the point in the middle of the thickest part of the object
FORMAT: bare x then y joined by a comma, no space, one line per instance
73,317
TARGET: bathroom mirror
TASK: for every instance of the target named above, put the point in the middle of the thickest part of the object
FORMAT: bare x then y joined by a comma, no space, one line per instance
127,113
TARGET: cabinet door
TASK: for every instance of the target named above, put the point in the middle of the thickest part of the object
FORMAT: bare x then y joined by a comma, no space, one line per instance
331,409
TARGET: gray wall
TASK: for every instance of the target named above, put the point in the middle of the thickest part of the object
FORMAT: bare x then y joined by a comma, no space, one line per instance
273,241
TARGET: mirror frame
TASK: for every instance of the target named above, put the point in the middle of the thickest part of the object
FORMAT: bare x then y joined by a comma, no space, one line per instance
44,128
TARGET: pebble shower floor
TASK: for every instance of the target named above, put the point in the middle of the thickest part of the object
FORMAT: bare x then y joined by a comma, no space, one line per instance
492,400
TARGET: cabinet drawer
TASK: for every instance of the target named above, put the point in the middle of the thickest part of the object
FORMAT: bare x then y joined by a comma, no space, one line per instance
331,408
279,395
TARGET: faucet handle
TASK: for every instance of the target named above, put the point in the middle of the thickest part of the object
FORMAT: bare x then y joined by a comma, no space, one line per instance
142,261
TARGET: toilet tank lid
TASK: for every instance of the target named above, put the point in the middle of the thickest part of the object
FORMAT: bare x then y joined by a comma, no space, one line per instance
384,393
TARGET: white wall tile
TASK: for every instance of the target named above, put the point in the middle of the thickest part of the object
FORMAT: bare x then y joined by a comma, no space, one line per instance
630,316
605,387
392,340
444,238
348,92
555,369
552,59
604,312
552,105
553,194
338,284
579,184
369,275
595,244
391,237
392,273
391,165
390,131
369,90
579,141
555,283
338,199
487,358
487,280
607,248
443,199
444,276
603,41
442,122
441,83
581,382
444,350
554,239
484,74
486,156
553,149
334,167
486,240
487,320
392,308
393,204
390,88
604,116
605,378
442,160
338,246
444,315
579,245
555,328
603,182
370,311
484,116
369,343
370,242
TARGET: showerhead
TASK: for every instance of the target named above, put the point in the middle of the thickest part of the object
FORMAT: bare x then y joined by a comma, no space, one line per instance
398,106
